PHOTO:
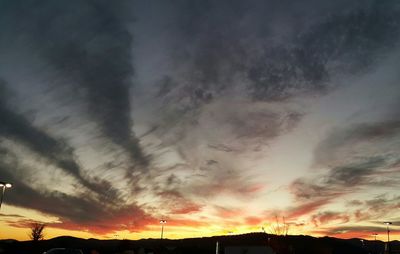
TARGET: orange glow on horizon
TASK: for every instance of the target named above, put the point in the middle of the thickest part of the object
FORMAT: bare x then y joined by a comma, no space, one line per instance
180,232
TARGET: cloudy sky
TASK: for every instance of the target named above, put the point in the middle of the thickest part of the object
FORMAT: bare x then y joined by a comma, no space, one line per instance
217,116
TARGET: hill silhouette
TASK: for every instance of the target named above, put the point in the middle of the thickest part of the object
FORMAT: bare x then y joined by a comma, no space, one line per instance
298,244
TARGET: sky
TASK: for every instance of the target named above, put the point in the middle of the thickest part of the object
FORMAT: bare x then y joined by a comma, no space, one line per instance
220,117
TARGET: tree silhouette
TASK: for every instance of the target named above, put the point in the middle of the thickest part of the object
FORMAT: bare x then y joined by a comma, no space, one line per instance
37,233
280,227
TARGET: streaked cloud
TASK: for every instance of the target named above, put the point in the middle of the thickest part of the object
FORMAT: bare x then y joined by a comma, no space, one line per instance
130,112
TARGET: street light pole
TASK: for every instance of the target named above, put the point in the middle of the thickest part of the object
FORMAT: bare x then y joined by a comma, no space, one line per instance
375,234
3,187
162,222
387,223
387,248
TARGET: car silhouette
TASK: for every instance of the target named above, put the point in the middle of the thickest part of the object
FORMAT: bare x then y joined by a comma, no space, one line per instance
63,251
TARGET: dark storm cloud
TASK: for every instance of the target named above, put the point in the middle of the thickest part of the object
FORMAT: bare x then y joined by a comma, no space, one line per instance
88,43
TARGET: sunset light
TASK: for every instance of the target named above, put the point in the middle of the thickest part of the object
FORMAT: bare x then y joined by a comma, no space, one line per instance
127,120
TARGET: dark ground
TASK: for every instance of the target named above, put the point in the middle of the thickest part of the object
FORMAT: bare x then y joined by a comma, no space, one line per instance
281,245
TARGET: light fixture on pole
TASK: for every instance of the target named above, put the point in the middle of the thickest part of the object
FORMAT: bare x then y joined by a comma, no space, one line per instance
387,246
375,235
4,186
387,223
162,222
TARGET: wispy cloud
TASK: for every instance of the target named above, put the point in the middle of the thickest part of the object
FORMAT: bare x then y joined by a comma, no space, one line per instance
188,99
83,212
16,127
347,168
95,58
330,217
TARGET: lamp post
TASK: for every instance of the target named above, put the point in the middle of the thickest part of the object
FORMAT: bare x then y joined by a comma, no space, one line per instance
4,186
387,247
375,234
162,222
387,223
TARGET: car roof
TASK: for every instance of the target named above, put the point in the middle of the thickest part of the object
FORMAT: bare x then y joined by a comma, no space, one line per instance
63,251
